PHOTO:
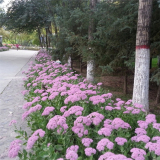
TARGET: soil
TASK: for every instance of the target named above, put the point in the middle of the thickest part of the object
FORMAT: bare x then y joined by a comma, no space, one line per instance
114,84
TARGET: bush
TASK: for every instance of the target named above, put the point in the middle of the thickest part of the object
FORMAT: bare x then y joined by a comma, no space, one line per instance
4,48
73,119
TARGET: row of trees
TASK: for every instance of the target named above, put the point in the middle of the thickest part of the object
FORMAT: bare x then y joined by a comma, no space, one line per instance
102,32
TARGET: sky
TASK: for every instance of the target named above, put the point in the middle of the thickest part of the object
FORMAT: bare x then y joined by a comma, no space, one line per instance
5,3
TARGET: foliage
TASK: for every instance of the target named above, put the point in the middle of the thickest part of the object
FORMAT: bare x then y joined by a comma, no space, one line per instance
24,39
115,24
72,119
4,48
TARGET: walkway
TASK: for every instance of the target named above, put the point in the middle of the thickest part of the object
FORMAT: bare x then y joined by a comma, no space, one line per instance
12,63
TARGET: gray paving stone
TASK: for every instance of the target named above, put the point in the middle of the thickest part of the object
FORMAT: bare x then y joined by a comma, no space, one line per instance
11,102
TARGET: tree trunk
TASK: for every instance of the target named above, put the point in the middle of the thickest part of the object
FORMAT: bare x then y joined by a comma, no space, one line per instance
39,35
90,70
90,61
150,66
142,60
46,39
158,95
158,64
125,83
69,62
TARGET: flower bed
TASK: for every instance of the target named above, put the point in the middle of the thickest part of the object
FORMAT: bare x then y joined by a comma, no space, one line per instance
72,119
4,48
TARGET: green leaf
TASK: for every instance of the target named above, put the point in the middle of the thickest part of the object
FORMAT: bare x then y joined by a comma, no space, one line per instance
58,147
158,158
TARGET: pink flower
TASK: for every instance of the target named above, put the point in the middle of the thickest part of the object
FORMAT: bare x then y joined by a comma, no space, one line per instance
71,152
104,143
105,131
44,98
47,111
31,141
48,144
151,118
63,109
73,110
143,138
57,121
86,142
109,108
138,153
71,155
39,132
136,111
95,117
142,124
28,84
120,141
14,148
156,126
140,131
106,155
97,99
119,123
12,122
89,151
153,147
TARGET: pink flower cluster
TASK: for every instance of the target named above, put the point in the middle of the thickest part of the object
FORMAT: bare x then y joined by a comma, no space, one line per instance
120,141
76,97
77,110
31,141
104,143
79,127
86,141
116,124
112,156
142,138
71,152
90,151
63,109
12,122
14,148
154,147
138,154
47,111
31,110
97,99
105,131
57,122
96,118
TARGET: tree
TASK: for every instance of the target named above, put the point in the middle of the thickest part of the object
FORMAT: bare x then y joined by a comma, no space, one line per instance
90,60
141,77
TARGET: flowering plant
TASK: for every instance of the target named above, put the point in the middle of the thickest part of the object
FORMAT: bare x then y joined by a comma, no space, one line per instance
75,120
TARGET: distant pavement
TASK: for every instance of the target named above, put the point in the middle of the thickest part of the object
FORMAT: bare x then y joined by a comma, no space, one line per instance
12,63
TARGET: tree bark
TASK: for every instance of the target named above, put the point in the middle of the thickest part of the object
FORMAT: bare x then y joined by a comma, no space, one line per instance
39,35
158,95
158,64
46,39
125,83
69,62
142,60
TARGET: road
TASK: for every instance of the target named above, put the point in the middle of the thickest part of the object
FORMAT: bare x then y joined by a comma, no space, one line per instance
12,63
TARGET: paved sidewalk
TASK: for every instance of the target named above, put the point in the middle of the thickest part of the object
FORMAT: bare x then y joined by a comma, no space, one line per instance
11,102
